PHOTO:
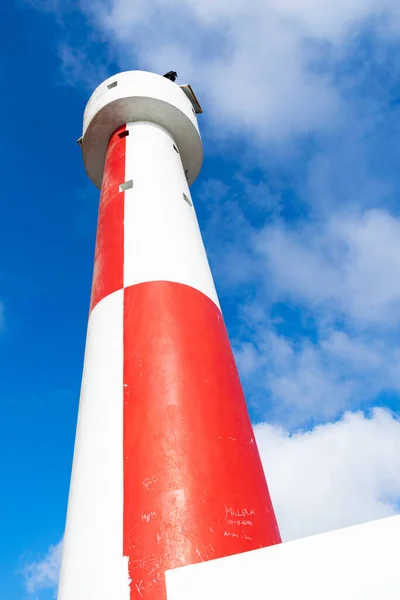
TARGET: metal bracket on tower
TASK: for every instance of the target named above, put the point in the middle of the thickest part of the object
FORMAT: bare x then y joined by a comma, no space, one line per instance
192,97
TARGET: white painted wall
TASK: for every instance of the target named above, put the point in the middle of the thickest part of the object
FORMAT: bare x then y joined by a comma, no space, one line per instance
356,563
162,239
93,565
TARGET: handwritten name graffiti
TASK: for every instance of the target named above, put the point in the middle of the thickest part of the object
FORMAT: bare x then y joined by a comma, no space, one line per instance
242,536
144,587
148,516
238,512
240,522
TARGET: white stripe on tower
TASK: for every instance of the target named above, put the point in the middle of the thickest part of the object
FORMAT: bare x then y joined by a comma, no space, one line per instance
93,566
162,237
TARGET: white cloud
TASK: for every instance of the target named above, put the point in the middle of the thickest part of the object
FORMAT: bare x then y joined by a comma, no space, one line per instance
336,475
261,66
333,285
245,59
296,380
347,265
43,574
295,383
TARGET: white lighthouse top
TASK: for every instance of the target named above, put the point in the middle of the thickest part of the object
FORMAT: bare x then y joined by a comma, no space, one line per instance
139,96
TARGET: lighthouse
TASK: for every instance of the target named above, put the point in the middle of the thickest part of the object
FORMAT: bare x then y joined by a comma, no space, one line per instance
166,471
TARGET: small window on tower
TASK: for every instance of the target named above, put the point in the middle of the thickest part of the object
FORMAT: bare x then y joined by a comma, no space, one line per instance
112,85
123,133
175,148
126,186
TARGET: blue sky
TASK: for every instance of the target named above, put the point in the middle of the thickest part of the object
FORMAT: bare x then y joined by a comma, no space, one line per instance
298,201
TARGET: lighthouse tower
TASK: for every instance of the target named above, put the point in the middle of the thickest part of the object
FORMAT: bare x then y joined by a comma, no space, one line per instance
166,471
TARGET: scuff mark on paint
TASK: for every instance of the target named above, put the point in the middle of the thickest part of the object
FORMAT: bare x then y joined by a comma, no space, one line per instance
149,483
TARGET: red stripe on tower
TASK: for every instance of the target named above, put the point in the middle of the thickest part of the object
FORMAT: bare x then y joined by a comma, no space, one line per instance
108,269
194,487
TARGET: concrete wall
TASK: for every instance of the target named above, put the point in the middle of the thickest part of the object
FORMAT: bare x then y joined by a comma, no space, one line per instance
356,563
